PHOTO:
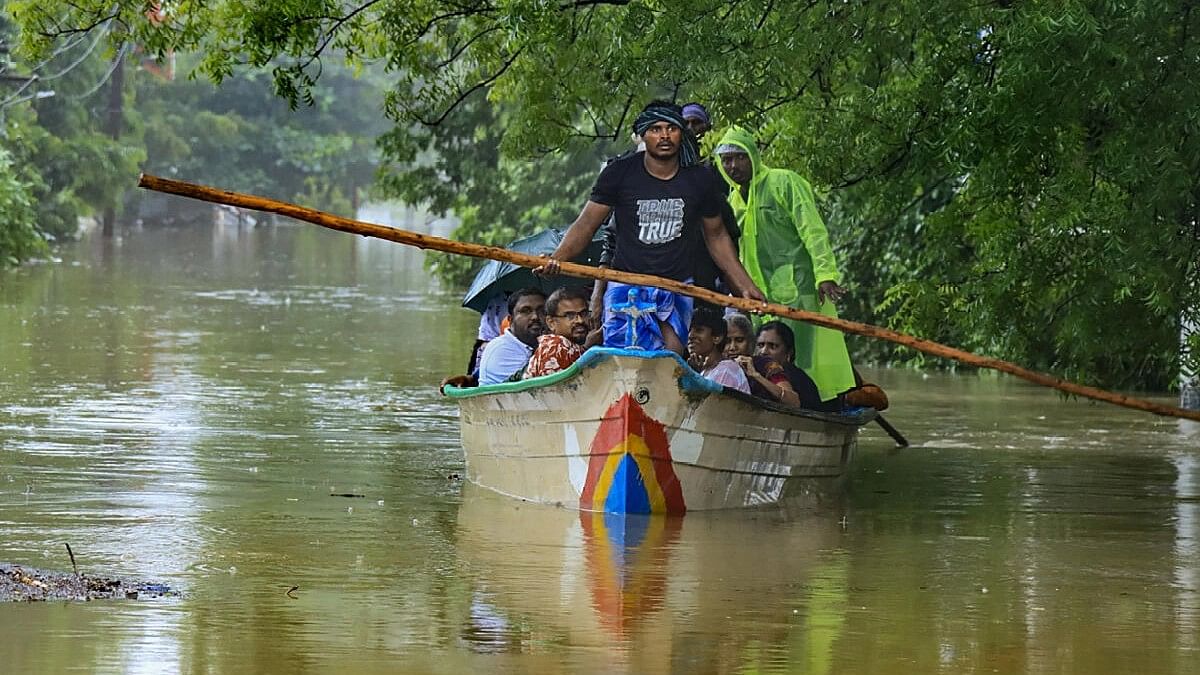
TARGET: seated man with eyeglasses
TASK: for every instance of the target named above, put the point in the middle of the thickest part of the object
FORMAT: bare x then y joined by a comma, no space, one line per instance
567,318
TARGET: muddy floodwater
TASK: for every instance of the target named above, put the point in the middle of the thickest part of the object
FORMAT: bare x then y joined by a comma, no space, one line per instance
180,405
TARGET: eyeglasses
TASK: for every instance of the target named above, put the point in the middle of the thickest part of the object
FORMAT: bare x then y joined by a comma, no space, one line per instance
574,316
526,311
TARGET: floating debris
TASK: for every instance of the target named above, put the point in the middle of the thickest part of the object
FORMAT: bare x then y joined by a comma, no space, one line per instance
28,584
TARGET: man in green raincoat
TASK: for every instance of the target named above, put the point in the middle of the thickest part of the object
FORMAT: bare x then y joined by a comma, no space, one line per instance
785,249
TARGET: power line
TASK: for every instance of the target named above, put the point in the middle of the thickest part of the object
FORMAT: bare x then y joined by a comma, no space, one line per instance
111,69
15,97
76,62
12,98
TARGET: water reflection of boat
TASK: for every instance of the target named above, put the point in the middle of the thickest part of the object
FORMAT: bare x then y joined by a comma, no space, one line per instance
639,432
650,591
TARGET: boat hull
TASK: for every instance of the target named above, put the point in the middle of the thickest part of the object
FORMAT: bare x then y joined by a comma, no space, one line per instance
639,432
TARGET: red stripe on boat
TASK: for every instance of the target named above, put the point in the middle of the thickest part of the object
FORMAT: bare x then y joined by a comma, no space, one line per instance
623,419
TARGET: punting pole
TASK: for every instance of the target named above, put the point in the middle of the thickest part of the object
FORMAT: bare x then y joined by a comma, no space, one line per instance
424,241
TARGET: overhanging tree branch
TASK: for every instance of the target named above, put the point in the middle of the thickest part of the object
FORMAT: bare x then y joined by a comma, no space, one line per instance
464,94
62,32
591,3
475,11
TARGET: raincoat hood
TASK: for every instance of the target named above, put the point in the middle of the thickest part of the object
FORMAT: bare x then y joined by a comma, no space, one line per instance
744,140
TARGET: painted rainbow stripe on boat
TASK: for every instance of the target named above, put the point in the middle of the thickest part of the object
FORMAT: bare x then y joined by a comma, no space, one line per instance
630,470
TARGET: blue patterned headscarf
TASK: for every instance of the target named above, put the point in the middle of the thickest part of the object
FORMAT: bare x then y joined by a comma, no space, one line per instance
689,151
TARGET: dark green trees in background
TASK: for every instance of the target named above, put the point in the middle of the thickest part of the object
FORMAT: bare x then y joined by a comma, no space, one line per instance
1015,178
59,160
59,164
458,166
240,135
19,235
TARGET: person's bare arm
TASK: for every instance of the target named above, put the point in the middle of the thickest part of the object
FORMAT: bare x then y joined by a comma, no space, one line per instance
595,338
577,238
596,306
459,381
720,247
829,290
786,394
782,390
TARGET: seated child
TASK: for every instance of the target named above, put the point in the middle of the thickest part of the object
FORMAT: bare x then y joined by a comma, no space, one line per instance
706,351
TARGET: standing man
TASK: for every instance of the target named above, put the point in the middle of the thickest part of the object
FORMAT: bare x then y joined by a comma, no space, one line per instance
708,275
785,248
504,358
697,119
667,210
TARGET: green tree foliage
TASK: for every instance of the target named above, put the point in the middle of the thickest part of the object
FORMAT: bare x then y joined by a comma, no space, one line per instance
241,135
19,236
82,169
1014,177
67,165
458,166
64,155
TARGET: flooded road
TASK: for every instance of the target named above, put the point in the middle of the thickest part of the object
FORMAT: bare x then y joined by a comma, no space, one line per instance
180,406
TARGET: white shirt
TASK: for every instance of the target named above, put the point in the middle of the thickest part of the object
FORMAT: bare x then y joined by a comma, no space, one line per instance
493,316
729,374
502,358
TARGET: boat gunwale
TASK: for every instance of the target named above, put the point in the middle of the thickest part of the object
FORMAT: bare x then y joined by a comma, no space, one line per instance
690,382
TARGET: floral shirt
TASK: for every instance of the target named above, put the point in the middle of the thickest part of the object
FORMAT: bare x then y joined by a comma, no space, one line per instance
553,353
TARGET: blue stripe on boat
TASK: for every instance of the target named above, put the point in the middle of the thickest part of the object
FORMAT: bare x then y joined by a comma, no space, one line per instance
628,492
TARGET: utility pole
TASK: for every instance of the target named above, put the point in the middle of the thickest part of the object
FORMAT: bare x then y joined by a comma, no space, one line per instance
113,125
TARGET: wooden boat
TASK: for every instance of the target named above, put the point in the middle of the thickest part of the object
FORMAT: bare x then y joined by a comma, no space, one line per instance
627,431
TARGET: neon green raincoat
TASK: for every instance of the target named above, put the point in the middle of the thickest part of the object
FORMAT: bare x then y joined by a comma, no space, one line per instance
785,249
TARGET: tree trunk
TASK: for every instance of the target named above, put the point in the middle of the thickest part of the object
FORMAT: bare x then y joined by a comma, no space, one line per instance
113,124
1189,378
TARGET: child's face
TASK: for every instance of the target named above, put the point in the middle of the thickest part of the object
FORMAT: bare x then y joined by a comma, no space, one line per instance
702,341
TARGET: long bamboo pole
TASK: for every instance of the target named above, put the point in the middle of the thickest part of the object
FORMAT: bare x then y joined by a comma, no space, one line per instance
425,241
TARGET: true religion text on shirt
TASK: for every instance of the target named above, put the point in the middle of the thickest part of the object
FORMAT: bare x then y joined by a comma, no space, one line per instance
659,220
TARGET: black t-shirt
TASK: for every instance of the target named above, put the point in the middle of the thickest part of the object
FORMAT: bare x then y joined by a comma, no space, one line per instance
657,221
707,272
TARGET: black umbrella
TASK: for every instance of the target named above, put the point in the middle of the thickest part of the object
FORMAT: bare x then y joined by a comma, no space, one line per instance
502,277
